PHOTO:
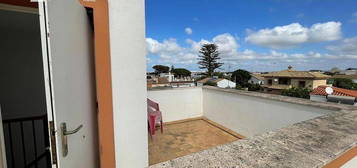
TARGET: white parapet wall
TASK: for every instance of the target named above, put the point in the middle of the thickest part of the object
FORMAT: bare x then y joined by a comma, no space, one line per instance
178,103
248,115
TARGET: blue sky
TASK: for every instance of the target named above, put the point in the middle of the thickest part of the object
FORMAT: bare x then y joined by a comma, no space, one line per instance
257,35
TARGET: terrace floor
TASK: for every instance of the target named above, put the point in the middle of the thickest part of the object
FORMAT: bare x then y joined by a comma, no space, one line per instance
183,138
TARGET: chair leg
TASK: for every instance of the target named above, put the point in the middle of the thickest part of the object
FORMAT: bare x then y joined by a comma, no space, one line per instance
149,129
162,127
152,125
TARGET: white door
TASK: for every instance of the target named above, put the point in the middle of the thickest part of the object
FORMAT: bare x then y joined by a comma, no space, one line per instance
67,40
2,145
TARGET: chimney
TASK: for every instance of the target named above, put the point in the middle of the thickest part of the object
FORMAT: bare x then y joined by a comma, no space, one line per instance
290,67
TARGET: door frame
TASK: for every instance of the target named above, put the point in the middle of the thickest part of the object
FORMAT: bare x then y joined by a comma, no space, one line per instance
103,81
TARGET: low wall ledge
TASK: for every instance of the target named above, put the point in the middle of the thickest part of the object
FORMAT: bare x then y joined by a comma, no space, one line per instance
294,100
312,143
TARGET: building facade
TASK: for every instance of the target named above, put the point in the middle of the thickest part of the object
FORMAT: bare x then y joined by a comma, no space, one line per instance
275,82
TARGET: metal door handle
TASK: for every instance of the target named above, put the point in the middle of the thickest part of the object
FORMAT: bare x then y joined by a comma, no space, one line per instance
64,134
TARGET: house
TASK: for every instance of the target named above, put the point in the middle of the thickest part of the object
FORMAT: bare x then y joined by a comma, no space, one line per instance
256,79
341,95
275,82
349,71
220,82
170,77
352,77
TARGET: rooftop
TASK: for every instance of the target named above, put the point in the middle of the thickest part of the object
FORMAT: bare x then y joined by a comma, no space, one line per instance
346,76
258,76
281,131
214,80
290,73
312,143
186,137
336,91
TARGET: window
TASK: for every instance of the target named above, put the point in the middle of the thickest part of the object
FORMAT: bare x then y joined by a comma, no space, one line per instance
270,82
302,84
284,81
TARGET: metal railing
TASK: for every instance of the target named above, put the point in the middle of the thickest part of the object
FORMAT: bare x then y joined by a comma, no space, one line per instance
33,158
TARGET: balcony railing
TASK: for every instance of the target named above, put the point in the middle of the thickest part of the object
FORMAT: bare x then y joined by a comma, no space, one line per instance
27,140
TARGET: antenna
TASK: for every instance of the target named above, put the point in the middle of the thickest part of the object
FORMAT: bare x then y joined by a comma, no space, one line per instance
329,90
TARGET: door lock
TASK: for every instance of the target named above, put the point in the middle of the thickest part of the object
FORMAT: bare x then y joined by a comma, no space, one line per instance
64,134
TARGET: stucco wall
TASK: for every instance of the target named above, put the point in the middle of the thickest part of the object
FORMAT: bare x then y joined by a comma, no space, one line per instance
318,98
179,103
248,115
308,83
317,83
127,49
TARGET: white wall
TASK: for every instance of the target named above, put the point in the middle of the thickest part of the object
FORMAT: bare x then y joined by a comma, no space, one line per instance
127,45
351,163
249,115
179,103
318,98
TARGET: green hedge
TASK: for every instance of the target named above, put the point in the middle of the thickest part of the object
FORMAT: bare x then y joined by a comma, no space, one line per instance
209,83
297,92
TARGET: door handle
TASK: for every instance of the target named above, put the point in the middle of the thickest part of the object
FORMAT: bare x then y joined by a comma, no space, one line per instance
64,134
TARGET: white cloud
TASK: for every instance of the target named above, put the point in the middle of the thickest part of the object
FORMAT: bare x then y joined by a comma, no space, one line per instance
169,52
300,15
346,48
188,30
294,34
354,18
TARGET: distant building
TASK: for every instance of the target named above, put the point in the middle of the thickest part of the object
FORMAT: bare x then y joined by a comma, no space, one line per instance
256,79
180,84
338,95
352,77
349,71
170,77
222,83
275,82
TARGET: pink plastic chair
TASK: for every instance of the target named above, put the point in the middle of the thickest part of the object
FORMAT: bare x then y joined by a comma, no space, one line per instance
154,116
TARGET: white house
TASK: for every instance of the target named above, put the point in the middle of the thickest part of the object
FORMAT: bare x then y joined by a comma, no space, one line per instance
220,82
256,79
224,83
170,77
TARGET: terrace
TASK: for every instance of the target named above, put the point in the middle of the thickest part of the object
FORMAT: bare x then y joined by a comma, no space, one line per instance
205,127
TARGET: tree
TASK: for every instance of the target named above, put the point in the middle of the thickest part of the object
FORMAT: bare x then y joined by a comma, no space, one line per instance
208,58
241,77
335,70
161,69
219,74
344,83
210,83
172,68
181,72
297,92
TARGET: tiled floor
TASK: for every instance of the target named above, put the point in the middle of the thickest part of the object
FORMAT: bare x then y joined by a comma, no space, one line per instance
184,138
